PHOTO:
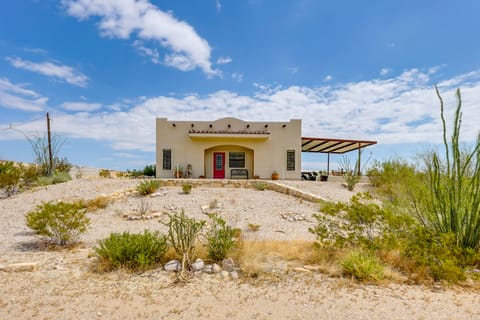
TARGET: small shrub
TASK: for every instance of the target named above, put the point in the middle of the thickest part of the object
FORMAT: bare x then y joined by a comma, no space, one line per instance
143,207
187,188
363,266
260,185
220,239
253,227
104,173
62,165
132,251
30,174
147,187
9,177
438,252
62,222
100,202
183,233
56,178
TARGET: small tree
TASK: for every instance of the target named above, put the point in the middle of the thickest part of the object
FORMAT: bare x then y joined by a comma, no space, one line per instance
182,235
220,238
62,222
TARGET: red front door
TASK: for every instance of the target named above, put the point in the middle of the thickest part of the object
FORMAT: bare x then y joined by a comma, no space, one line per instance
219,165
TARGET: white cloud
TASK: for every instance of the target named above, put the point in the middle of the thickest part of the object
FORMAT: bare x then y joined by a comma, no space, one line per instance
81,106
224,60
293,70
153,54
15,96
121,19
218,5
327,78
396,110
237,77
385,71
50,69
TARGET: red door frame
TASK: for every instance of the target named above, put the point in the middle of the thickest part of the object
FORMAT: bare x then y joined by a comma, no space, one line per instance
219,167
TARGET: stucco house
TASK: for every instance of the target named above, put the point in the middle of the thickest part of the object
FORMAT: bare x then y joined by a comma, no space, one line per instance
229,148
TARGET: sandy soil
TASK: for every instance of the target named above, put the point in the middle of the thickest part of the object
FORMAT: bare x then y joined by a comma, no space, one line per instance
64,287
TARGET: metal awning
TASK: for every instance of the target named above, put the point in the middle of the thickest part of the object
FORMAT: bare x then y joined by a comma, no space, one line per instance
338,146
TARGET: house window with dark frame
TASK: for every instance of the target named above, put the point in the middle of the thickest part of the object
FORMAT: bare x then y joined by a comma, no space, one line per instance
290,160
167,159
236,159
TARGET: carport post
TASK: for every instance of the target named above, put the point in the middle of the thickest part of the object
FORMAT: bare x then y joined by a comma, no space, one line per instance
359,157
328,163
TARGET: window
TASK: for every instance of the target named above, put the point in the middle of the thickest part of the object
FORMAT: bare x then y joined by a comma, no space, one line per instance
236,159
290,160
167,159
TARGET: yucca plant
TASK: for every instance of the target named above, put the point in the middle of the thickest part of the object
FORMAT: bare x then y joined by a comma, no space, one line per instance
451,203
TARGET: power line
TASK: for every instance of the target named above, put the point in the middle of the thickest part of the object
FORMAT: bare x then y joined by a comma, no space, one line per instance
13,125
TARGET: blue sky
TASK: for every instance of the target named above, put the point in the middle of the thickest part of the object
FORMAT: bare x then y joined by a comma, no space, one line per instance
105,69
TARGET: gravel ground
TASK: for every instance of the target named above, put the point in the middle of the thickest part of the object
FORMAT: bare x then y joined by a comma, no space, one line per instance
63,287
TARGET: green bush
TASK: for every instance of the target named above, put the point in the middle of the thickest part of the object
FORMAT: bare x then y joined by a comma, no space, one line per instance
30,174
62,222
149,170
220,239
9,177
147,187
363,266
260,185
187,188
56,178
132,251
183,233
395,180
438,252
62,165
104,173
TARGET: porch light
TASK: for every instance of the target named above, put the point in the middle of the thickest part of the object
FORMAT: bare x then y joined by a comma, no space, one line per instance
283,126
248,126
192,125
210,125
174,125
266,126
229,126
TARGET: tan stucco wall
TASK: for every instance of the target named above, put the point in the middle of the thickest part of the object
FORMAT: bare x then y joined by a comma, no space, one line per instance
263,155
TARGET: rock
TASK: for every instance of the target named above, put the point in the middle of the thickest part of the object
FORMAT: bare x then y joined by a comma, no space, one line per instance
205,209
172,266
224,274
20,267
301,270
216,268
208,268
198,265
125,215
313,267
234,275
228,264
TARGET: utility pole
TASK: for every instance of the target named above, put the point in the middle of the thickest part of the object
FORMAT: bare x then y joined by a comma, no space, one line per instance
50,169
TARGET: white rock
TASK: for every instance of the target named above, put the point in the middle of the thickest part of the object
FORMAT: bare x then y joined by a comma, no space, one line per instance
228,264
224,274
216,268
198,265
20,267
172,266
234,275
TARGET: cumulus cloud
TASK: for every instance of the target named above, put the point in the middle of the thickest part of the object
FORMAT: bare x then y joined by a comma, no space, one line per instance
384,71
327,78
224,60
396,110
50,69
153,54
121,19
81,106
16,96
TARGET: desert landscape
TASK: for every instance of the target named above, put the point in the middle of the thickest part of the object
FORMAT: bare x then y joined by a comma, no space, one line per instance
61,283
